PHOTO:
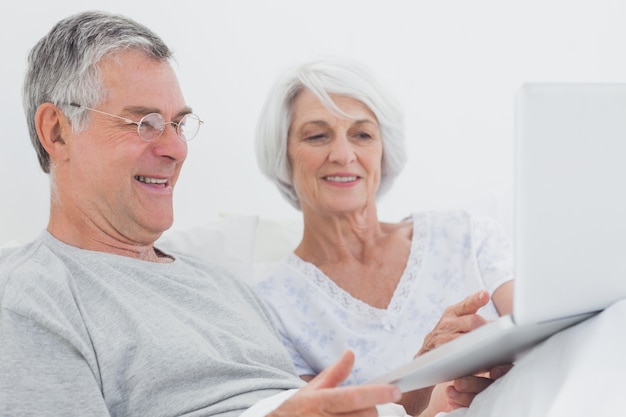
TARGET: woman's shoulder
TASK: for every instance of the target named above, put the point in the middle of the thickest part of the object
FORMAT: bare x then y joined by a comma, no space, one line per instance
280,275
455,221
449,215
441,216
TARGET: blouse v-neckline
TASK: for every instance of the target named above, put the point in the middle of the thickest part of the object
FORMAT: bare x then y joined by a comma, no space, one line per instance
401,292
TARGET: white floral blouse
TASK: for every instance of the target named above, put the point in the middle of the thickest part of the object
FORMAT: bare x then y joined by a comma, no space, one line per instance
453,254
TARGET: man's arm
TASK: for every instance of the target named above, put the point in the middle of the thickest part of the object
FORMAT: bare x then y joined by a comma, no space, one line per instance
42,374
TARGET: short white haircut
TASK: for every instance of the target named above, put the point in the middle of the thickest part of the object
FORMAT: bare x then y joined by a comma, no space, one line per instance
324,77
63,66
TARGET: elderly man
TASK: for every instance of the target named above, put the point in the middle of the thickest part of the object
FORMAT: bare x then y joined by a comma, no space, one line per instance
95,320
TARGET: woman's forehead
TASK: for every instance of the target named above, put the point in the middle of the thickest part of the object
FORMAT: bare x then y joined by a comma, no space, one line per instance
307,107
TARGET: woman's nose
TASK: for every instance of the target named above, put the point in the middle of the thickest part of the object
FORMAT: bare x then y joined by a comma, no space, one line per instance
341,150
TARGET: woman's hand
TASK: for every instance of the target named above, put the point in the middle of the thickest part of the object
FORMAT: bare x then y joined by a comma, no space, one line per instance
462,391
456,320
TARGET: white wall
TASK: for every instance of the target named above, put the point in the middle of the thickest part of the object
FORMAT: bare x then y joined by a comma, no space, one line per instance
453,64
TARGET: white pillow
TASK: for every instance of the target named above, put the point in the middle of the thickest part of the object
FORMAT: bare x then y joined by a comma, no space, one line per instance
8,247
227,242
276,238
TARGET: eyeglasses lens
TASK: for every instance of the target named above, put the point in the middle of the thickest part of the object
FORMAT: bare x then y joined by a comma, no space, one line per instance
188,127
152,126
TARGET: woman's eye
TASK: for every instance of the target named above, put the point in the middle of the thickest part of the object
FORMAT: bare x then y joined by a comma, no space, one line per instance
363,135
315,137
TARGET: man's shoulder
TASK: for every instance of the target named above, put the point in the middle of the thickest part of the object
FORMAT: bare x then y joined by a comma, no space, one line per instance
22,259
25,271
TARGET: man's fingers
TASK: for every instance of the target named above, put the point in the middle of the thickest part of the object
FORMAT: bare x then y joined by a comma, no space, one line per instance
322,397
354,398
354,401
335,374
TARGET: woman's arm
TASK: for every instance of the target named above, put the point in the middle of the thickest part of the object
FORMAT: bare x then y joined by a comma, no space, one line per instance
502,298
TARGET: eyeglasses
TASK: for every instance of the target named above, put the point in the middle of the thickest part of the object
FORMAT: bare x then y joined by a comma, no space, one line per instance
152,125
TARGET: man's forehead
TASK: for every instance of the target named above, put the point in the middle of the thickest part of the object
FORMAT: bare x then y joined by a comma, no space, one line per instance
135,79
132,59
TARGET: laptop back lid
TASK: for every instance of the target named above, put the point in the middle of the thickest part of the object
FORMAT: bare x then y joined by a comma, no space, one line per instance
570,200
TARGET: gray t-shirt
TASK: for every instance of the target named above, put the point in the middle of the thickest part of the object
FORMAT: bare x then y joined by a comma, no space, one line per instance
93,334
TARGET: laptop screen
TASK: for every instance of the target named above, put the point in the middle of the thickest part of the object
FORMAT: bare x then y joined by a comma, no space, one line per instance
570,200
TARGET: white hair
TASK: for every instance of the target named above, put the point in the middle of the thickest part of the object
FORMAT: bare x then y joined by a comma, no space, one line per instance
322,78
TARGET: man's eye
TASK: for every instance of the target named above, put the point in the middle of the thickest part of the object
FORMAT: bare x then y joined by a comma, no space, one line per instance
149,125
152,121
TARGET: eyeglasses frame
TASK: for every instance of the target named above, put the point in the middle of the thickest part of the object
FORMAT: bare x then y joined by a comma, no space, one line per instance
139,123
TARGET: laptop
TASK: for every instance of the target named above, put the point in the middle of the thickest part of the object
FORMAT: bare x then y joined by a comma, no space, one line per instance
569,233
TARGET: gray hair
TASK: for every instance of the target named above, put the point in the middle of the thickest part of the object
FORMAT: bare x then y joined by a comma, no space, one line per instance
322,78
63,65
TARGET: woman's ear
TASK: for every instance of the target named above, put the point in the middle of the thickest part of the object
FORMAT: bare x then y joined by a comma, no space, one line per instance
51,123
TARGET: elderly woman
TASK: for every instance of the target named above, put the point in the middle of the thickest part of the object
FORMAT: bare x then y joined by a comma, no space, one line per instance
332,141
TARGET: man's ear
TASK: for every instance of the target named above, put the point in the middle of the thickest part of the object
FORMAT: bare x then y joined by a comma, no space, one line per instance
51,124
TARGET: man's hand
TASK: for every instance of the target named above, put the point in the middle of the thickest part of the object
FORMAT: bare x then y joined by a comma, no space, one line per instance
456,320
322,397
